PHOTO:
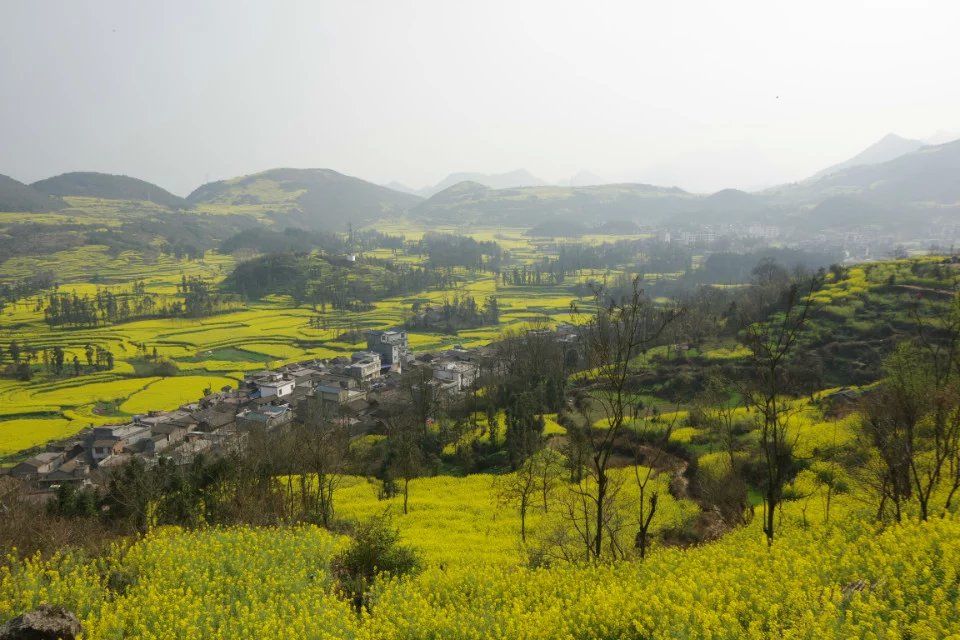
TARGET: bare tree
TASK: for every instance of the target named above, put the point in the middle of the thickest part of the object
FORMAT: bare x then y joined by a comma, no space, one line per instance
725,489
536,478
424,399
771,342
649,460
913,426
624,326
405,457
549,464
322,442
830,476
938,345
518,489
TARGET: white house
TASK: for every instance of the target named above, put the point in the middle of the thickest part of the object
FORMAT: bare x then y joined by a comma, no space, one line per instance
456,376
276,388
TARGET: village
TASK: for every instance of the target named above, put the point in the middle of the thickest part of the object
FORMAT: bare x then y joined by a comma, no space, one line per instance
351,389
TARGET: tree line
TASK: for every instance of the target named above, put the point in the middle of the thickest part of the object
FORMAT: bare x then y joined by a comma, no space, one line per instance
454,314
450,250
196,297
323,281
54,360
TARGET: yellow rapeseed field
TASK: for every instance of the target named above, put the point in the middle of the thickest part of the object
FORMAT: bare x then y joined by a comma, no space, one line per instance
851,581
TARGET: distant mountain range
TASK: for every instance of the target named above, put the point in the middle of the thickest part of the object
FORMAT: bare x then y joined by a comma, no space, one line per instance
892,182
474,203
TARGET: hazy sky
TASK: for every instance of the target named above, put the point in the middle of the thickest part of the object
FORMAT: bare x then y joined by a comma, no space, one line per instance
702,94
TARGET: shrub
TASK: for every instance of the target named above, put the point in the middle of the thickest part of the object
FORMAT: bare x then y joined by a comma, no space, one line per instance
166,368
375,551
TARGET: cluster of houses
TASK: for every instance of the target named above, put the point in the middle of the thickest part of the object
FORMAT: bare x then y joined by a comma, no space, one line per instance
218,422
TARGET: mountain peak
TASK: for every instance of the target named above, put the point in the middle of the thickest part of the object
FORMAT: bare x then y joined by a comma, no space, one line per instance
886,148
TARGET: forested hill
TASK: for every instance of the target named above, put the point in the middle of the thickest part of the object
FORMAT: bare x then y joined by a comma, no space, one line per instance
110,187
322,280
319,198
16,197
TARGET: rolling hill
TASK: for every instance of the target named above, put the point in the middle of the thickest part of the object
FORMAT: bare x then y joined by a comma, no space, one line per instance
111,187
18,197
319,198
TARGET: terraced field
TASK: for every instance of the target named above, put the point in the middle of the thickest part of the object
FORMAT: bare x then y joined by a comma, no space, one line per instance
213,351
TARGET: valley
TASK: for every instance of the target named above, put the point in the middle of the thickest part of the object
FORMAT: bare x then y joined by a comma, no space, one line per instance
141,340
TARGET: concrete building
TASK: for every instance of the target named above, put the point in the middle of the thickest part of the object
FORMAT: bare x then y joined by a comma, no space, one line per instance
339,390
103,448
40,464
277,387
364,366
267,417
74,472
106,442
455,376
155,418
392,346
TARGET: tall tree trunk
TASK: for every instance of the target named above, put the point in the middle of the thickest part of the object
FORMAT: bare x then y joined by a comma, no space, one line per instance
601,512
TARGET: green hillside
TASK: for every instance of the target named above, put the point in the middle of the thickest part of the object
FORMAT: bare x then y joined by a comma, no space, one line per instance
110,187
318,198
